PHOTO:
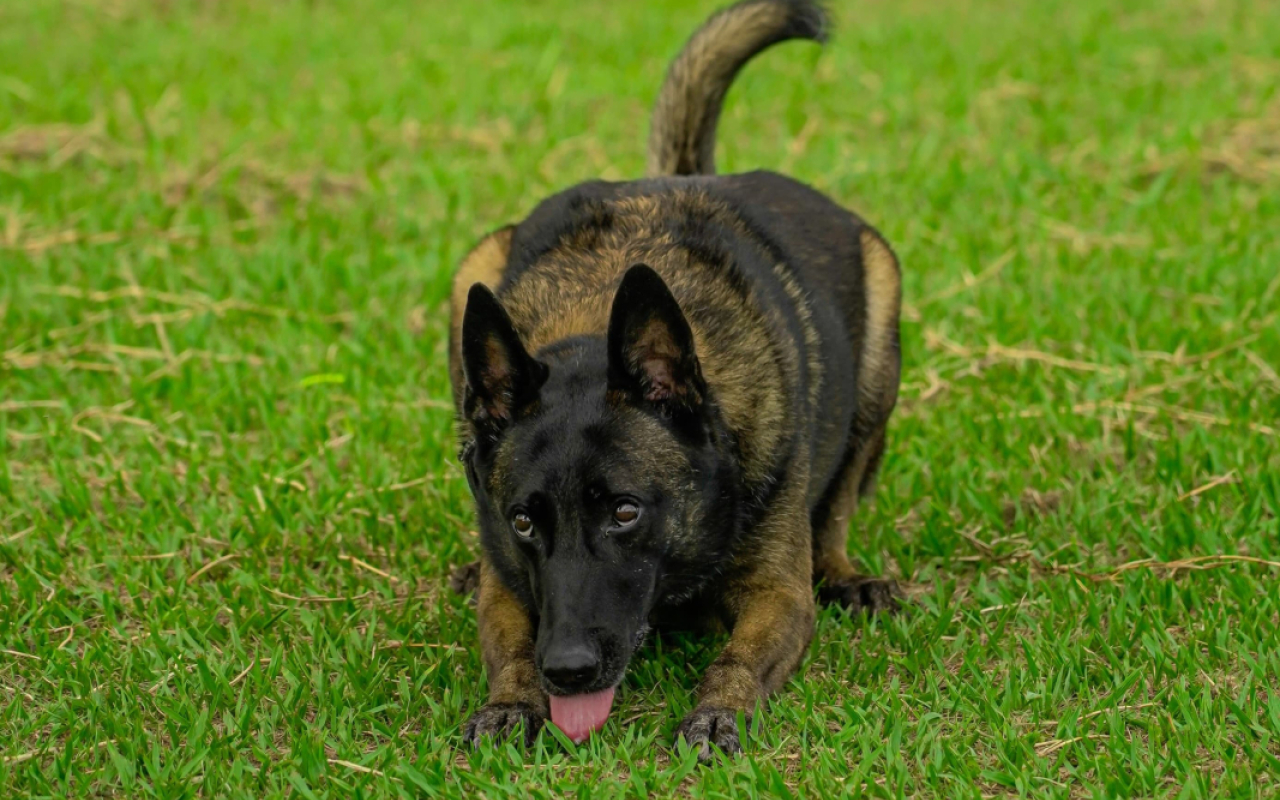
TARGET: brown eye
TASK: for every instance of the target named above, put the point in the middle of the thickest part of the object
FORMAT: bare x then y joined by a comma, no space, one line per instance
522,525
625,514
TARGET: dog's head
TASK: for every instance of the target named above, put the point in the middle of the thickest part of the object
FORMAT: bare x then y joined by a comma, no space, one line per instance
597,472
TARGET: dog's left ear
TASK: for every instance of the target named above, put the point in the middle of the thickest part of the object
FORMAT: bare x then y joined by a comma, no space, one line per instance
651,355
503,380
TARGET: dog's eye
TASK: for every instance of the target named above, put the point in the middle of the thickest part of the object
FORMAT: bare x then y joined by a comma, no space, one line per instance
625,514
522,525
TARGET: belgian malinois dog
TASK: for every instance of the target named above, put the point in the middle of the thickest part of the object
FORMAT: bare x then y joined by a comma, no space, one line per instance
671,393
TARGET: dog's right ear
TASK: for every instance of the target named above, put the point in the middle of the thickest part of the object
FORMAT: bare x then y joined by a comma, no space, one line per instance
502,378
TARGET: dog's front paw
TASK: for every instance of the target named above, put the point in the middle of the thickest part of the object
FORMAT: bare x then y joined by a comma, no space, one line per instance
711,725
499,720
861,593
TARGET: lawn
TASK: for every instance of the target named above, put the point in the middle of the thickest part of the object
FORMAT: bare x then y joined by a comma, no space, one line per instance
229,498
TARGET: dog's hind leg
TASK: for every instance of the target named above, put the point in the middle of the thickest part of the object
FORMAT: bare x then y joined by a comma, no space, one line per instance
880,364
837,580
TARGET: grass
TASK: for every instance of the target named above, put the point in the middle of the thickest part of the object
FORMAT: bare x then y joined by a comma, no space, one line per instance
228,498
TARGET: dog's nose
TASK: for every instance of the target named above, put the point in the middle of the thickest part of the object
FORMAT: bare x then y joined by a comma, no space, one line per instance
571,668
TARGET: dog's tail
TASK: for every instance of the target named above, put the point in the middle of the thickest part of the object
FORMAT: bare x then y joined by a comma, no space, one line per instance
682,137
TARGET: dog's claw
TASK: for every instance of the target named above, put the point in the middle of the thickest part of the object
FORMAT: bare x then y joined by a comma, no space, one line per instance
499,720
707,726
871,595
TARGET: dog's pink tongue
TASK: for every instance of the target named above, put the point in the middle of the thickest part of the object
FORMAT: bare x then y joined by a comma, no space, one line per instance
580,714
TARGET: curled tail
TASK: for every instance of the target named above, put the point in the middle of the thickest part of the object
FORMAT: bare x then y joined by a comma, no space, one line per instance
682,136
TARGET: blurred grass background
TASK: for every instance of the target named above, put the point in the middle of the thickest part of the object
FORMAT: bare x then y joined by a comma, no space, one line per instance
228,497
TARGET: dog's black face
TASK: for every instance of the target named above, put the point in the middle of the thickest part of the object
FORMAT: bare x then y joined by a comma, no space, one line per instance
598,475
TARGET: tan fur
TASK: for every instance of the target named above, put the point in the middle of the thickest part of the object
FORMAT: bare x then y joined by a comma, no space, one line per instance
882,285
484,264
772,610
682,135
506,644
571,293
812,341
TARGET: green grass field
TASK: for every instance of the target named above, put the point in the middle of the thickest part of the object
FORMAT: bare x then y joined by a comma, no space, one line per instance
228,492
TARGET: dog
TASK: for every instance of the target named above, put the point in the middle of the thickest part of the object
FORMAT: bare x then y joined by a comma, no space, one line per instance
671,394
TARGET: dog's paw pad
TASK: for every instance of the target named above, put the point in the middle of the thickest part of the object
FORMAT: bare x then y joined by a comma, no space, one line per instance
711,725
871,595
500,720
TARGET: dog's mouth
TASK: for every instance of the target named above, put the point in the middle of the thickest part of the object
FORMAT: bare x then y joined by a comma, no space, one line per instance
580,715
582,712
